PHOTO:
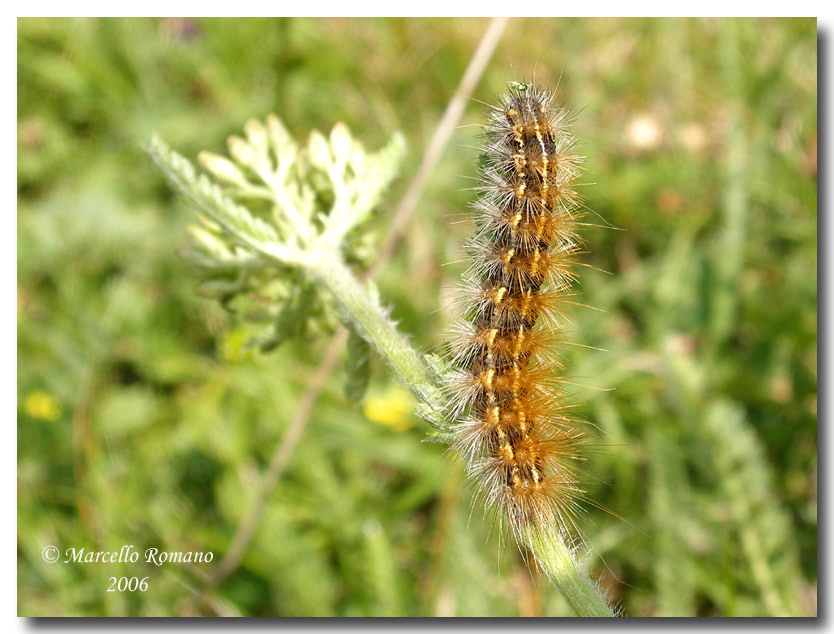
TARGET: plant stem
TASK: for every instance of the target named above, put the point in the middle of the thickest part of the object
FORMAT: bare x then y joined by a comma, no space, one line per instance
370,321
555,557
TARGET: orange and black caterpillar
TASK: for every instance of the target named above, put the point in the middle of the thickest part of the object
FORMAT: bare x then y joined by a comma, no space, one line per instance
519,444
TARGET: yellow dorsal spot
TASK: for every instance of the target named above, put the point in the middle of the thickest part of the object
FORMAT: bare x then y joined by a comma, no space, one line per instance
543,171
490,337
519,192
516,378
487,378
493,417
506,452
508,256
540,139
522,421
519,342
516,220
534,262
512,113
499,295
536,476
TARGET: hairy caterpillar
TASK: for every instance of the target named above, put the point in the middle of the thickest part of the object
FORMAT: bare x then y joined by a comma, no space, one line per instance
518,442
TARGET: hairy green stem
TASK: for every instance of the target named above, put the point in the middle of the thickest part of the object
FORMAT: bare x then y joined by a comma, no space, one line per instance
370,321
583,596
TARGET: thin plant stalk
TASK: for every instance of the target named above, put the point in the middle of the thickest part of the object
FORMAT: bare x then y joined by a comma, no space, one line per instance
557,560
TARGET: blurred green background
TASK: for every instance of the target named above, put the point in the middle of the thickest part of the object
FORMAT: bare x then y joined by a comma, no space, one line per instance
141,421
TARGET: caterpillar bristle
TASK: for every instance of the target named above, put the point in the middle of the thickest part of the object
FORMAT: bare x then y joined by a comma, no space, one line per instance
521,447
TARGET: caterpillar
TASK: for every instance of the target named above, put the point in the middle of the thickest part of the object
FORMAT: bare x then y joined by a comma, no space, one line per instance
513,430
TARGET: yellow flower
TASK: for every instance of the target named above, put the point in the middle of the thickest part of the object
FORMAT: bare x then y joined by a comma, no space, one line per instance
392,408
42,405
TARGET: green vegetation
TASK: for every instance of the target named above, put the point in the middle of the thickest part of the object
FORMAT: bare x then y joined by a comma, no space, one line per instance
145,418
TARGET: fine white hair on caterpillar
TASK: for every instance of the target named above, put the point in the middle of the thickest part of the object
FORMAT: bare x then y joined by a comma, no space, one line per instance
519,443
